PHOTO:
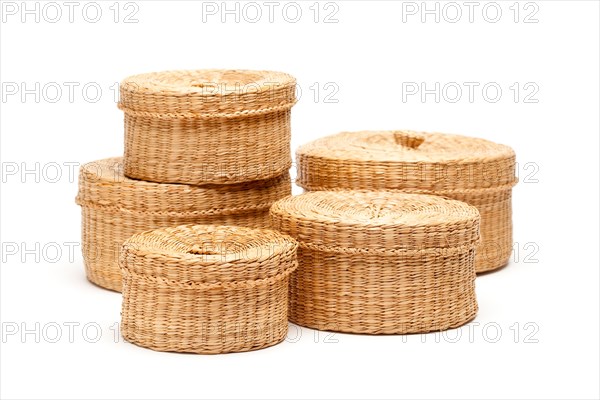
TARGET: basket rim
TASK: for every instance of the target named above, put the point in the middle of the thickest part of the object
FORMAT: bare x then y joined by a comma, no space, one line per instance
408,189
157,83
376,222
354,146
188,252
110,170
308,206
102,184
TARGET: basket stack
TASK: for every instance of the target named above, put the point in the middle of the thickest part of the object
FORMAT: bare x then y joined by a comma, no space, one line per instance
476,171
115,207
383,262
201,147
387,238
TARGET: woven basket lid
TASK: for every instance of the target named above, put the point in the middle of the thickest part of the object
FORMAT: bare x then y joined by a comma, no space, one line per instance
209,254
404,159
207,93
376,220
102,184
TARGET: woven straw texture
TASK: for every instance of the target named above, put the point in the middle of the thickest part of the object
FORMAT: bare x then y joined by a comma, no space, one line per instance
207,126
115,207
206,289
383,262
477,171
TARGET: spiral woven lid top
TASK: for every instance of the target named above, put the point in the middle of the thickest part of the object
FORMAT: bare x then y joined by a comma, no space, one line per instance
103,184
209,253
406,146
376,220
207,92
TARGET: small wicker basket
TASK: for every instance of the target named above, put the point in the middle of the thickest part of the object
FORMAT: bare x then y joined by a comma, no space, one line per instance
207,126
380,262
115,207
206,289
477,171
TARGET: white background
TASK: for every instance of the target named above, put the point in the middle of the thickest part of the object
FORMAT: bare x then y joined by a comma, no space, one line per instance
550,289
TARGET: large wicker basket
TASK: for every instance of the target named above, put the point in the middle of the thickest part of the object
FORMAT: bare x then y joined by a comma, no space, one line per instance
115,207
206,289
477,171
207,126
380,262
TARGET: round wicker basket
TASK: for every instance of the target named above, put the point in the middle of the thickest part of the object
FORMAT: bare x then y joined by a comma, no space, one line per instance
477,171
115,207
382,262
207,126
206,288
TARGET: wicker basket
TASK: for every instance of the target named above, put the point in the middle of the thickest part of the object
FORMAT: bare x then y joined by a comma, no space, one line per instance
383,262
207,126
473,170
115,207
206,288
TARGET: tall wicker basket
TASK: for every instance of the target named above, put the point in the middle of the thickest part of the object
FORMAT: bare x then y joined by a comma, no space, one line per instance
477,171
380,262
206,289
207,126
115,207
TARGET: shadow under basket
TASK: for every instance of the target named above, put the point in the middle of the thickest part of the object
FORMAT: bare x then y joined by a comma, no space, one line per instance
380,262
115,207
206,289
